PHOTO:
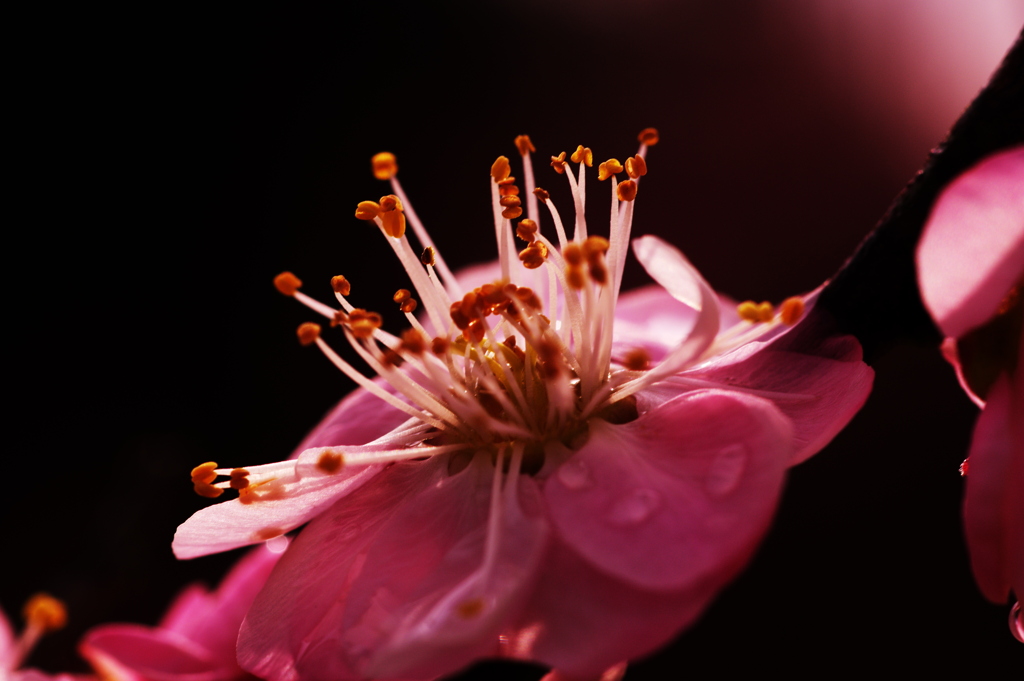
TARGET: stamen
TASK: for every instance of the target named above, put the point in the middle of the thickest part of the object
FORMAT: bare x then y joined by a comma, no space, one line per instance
534,255
791,310
367,210
558,163
636,166
308,333
608,168
512,206
524,145
648,137
583,155
527,230
626,191
392,216
341,285
384,165
500,169
45,612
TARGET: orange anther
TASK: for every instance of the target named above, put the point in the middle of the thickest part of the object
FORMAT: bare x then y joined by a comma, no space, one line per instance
308,333
636,166
205,489
527,230
362,323
384,165
460,319
513,207
573,254
500,169
287,283
608,168
637,359
574,277
541,194
558,163
507,188
401,295
45,612
237,473
341,285
524,145
427,257
330,462
268,533
595,245
510,201
367,210
413,341
583,155
626,191
765,312
534,255
439,345
204,472
393,223
791,310
409,306
239,483
648,136
389,203
475,332
747,310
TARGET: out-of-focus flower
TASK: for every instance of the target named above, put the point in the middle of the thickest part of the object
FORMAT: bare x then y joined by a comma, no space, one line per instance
971,272
195,641
43,613
568,475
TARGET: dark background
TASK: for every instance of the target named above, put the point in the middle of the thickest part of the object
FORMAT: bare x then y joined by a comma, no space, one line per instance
167,164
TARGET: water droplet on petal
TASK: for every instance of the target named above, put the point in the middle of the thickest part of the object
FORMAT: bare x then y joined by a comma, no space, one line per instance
634,508
725,470
575,474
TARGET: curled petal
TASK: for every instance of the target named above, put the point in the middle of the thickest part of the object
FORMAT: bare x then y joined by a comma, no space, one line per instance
677,497
972,249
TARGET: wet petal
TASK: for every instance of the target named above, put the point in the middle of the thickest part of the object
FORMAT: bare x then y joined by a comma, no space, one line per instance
682,493
373,574
972,249
994,501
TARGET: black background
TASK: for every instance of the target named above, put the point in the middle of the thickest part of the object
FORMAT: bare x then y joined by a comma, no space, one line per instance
167,164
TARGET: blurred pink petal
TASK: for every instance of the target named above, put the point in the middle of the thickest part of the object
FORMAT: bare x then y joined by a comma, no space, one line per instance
195,641
971,252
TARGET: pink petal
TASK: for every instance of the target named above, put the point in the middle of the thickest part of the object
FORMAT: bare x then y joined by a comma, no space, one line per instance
994,501
680,495
972,250
7,646
667,266
818,393
140,653
231,524
372,575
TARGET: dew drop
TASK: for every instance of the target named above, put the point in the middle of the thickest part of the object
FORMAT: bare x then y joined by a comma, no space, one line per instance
634,508
575,474
725,470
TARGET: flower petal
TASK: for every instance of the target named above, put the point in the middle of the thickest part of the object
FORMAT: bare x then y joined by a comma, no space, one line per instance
994,501
373,573
667,266
972,249
132,651
678,496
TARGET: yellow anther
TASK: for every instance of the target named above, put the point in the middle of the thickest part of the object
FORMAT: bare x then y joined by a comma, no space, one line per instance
204,472
765,312
583,155
541,194
384,165
747,310
637,359
427,257
534,255
330,462
791,310
205,489
367,210
341,285
308,333
287,283
558,163
524,145
500,169
512,205
626,190
573,254
527,230
608,168
648,136
636,166
45,612
413,341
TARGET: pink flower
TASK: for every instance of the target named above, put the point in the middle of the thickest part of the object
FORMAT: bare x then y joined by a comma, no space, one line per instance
195,641
568,475
971,272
